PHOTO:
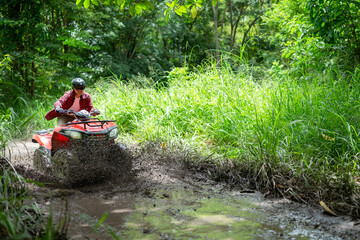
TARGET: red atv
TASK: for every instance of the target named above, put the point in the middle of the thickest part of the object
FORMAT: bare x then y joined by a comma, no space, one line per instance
81,151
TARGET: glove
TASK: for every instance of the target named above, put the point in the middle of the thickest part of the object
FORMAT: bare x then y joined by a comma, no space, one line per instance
95,112
58,109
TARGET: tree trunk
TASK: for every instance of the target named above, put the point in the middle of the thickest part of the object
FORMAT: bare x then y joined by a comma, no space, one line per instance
217,41
234,24
222,22
248,30
138,38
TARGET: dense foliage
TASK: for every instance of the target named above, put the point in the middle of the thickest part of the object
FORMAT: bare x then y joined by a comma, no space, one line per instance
337,23
50,43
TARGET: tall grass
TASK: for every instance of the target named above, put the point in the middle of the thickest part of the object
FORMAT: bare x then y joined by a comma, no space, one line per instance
6,127
18,219
282,119
13,126
306,126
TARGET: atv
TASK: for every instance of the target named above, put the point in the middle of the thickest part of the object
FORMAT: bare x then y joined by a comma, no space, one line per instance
81,151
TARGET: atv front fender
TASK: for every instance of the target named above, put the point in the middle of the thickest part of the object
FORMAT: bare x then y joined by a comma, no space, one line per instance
43,140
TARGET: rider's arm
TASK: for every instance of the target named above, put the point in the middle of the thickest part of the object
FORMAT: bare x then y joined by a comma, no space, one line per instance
63,100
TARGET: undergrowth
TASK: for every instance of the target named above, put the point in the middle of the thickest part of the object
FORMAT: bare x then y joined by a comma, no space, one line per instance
19,218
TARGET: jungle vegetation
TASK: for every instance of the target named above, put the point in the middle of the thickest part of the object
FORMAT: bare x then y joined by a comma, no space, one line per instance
272,85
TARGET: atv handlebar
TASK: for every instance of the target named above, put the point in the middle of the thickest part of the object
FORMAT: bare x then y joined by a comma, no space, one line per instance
80,114
62,111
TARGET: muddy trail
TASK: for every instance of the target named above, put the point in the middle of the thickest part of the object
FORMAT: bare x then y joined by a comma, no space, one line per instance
162,198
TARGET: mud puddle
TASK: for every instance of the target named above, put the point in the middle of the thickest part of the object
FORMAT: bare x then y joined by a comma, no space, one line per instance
162,200
86,212
170,212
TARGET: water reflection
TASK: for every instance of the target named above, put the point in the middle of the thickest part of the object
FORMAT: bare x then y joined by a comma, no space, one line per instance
180,214
86,212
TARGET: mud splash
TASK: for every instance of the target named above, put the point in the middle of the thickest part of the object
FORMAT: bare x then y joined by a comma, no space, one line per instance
91,162
161,199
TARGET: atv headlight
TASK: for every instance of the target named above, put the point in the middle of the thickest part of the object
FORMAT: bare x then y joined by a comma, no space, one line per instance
73,134
113,133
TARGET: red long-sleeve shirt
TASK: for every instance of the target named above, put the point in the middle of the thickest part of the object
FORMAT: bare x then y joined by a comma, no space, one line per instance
66,101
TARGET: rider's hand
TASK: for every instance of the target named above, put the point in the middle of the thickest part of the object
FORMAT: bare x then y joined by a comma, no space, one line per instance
58,109
95,112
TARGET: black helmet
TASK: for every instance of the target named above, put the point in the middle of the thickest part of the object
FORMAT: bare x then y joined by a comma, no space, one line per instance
78,83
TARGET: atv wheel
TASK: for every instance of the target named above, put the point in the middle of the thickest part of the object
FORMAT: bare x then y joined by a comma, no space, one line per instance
42,158
62,166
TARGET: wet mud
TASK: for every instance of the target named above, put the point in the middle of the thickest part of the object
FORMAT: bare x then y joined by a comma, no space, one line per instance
160,198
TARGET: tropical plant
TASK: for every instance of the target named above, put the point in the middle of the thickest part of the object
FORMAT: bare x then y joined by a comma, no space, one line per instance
337,23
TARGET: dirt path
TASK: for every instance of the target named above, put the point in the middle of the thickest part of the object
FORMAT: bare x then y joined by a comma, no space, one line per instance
161,199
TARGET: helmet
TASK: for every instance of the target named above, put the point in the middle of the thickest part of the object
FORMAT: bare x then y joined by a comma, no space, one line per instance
78,83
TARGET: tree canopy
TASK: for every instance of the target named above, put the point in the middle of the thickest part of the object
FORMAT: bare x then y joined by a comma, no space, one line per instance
49,43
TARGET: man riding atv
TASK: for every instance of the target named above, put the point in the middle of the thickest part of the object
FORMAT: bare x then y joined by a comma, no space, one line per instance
80,149
76,99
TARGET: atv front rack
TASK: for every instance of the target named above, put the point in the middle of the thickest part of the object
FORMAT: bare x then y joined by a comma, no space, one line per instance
42,132
86,123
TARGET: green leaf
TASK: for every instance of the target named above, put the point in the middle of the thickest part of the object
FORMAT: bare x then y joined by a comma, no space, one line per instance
35,182
167,16
181,9
138,8
172,5
7,223
193,12
214,2
102,219
27,120
95,2
125,3
78,2
178,12
132,10
112,233
86,4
